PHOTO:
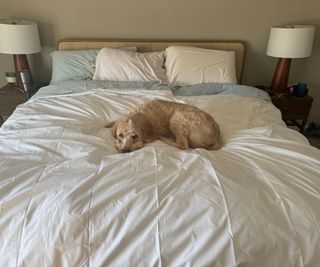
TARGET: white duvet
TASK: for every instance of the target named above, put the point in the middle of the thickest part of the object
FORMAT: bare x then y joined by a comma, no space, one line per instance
68,198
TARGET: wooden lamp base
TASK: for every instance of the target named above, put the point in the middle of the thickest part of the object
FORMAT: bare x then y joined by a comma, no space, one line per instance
20,63
280,77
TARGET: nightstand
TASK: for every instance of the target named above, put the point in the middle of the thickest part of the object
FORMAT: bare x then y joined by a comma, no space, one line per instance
10,98
294,110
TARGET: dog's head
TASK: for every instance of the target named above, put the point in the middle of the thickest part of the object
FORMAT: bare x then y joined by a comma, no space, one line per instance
127,134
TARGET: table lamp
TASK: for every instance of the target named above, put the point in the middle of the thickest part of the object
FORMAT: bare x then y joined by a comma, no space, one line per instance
287,42
19,37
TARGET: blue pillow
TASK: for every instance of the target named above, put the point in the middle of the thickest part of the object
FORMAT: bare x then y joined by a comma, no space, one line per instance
75,64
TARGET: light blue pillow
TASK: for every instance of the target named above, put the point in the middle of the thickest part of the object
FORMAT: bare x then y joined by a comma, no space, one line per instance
75,64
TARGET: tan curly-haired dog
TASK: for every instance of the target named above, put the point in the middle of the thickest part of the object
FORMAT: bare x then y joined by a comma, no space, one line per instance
180,125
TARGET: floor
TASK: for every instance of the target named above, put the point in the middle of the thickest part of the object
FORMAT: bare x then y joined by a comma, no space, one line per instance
315,141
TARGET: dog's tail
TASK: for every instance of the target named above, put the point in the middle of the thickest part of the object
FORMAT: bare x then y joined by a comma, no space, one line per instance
216,146
110,124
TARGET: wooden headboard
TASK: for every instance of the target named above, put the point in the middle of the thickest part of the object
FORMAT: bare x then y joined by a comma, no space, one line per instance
159,45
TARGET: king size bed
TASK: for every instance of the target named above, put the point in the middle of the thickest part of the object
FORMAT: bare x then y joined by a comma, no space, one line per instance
69,198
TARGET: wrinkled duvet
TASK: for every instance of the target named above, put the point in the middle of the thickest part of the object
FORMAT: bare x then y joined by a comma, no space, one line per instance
68,198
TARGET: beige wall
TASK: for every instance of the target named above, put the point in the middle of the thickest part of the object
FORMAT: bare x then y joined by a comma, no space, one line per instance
248,20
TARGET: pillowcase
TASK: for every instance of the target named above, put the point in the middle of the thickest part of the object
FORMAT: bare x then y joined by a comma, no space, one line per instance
75,64
186,65
72,65
125,66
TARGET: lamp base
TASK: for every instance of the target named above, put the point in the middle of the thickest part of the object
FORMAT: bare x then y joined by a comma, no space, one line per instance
280,77
21,63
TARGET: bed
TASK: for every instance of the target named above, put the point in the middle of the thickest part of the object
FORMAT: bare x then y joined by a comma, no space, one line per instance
69,198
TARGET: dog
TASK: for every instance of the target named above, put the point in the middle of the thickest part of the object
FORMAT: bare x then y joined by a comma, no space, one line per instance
179,125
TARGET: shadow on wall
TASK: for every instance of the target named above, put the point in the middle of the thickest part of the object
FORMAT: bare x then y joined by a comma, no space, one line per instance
307,70
6,64
42,61
314,91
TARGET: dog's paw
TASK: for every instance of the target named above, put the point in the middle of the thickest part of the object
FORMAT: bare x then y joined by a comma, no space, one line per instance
110,124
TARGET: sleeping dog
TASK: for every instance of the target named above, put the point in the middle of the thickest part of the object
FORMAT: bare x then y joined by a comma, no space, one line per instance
180,125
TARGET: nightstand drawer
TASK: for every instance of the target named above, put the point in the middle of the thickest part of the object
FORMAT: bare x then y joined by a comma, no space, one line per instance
10,98
293,107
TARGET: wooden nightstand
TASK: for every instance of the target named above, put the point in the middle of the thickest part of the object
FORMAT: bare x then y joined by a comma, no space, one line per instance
10,98
294,110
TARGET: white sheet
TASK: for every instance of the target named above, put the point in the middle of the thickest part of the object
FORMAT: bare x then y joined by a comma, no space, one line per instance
67,198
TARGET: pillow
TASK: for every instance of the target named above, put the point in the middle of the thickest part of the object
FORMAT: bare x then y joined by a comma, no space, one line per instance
75,64
125,66
71,65
186,65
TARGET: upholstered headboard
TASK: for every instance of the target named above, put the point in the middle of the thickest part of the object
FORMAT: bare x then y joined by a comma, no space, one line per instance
158,45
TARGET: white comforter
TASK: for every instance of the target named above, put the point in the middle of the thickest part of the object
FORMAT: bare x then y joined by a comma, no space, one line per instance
68,198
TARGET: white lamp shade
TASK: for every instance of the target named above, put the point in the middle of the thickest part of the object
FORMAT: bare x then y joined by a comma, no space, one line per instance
293,41
19,37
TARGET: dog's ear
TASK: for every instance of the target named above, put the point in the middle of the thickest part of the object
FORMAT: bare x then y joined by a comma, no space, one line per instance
114,127
145,128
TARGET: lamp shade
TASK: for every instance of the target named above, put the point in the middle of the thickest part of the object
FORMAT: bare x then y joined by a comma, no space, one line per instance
292,41
19,37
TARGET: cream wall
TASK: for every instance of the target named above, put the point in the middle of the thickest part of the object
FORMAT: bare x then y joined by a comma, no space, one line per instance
248,20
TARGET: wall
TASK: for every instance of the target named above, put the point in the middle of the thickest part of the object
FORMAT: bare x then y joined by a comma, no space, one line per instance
247,20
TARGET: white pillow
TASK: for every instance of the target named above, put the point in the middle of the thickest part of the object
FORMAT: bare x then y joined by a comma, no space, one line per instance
124,66
186,65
